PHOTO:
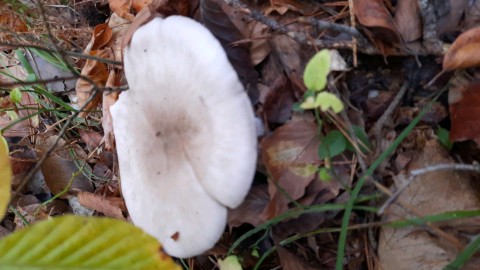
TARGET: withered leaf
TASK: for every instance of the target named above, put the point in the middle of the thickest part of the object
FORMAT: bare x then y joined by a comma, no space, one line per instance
111,207
290,156
464,51
374,15
464,102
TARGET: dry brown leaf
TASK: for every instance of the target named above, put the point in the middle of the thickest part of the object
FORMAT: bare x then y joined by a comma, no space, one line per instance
464,104
98,73
11,21
109,98
408,20
464,51
102,34
374,15
250,211
433,193
290,157
122,8
111,207
59,168
25,127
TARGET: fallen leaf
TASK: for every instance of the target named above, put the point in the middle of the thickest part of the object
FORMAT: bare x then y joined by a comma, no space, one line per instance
374,15
432,193
109,98
98,73
464,103
215,15
464,51
408,20
122,8
102,34
111,207
5,176
59,168
288,154
250,211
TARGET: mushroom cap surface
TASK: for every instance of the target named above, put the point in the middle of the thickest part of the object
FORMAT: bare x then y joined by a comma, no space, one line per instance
185,135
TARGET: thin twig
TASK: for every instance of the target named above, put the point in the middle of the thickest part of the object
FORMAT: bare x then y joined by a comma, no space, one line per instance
378,127
414,173
298,36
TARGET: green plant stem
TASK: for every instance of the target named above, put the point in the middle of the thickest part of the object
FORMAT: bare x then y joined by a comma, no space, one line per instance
349,206
19,215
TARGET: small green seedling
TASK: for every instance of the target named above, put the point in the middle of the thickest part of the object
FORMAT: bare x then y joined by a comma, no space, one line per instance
333,144
315,79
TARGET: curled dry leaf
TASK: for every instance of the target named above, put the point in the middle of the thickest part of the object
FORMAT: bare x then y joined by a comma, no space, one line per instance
122,8
98,73
408,20
109,98
374,15
464,51
111,207
464,104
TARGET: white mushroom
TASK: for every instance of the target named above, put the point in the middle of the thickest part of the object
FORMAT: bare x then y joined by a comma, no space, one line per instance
185,135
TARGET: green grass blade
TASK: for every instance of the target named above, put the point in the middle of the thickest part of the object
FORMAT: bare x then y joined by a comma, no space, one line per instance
353,196
465,255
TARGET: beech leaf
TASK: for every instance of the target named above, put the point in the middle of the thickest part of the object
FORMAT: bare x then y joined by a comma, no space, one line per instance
5,176
74,242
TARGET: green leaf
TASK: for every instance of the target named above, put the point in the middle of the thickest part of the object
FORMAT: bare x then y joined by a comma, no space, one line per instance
74,242
16,95
316,71
230,263
443,136
334,143
364,144
5,177
326,100
324,174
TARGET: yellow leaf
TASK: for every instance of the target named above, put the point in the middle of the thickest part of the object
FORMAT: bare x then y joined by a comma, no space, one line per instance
5,176
326,100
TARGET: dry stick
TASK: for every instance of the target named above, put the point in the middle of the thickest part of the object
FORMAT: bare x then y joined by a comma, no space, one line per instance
24,83
434,168
68,53
352,23
366,48
377,128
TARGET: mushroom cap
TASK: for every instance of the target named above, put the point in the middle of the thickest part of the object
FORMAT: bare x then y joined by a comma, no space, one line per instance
185,135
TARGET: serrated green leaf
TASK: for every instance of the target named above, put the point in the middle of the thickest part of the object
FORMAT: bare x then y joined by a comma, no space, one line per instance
16,95
5,177
74,242
316,71
326,100
334,143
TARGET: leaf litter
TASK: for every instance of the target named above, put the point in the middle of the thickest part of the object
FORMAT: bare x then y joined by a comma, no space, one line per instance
271,60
